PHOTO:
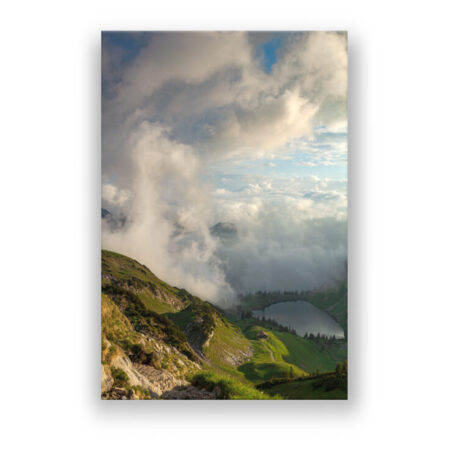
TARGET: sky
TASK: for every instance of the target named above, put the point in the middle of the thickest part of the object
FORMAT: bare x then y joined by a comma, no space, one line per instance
241,128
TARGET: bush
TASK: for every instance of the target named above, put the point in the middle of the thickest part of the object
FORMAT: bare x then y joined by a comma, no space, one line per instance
140,356
331,382
120,377
141,392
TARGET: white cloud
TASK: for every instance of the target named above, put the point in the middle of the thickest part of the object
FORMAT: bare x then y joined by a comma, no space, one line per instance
168,197
114,196
190,100
292,236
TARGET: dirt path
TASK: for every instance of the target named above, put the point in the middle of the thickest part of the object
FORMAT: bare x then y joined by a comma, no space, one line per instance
270,351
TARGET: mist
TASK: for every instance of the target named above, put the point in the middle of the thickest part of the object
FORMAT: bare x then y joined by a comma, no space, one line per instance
197,131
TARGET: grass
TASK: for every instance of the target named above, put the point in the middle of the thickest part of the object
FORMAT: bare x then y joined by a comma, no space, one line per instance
227,345
309,356
127,268
120,270
116,327
181,318
268,359
228,388
274,356
154,304
326,386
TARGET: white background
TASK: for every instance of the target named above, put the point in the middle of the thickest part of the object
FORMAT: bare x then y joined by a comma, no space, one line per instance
398,249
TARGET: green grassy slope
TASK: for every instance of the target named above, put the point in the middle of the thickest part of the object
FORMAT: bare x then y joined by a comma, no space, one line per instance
127,273
182,318
274,355
172,314
154,304
310,356
129,269
327,386
222,343
228,388
227,349
268,359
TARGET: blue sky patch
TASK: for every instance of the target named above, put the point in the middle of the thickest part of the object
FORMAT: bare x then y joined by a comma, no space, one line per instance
130,43
269,50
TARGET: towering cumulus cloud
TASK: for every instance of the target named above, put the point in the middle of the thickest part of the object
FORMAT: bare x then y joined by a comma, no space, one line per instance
225,156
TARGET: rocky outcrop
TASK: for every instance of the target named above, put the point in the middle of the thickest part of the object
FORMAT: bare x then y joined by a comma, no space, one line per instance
107,379
176,303
159,381
154,380
116,393
161,384
237,357
196,337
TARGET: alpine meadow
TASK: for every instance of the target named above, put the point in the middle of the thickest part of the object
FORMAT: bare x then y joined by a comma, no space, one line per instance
224,215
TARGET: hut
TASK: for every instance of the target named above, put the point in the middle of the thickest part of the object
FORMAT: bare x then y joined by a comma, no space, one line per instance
262,335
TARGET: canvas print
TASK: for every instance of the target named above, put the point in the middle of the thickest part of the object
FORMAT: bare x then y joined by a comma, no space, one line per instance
224,215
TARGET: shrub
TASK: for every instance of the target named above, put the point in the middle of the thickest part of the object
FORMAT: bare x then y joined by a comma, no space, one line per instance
120,377
141,392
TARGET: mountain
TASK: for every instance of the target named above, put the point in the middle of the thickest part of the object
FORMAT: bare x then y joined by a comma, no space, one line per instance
105,213
114,222
226,232
156,336
160,341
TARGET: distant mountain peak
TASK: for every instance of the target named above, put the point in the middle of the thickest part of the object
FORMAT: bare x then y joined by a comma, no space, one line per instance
105,213
225,231
114,222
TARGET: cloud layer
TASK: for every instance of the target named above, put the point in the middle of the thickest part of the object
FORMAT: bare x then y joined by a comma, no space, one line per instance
180,110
